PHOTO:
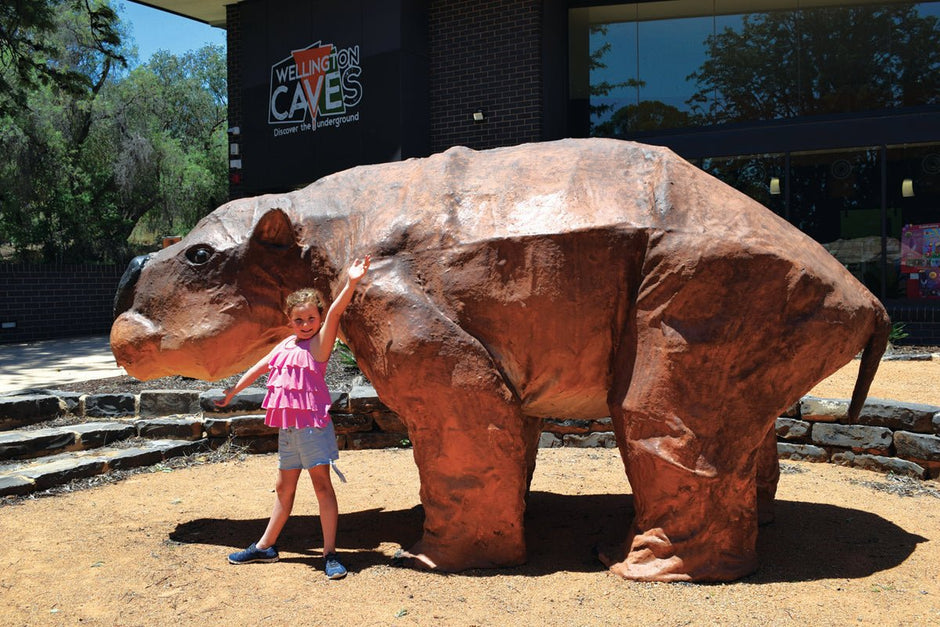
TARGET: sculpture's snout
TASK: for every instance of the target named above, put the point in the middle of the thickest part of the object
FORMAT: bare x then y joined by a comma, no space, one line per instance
125,291
135,341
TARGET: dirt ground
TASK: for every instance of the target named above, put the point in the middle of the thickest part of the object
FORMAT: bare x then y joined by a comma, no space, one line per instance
848,546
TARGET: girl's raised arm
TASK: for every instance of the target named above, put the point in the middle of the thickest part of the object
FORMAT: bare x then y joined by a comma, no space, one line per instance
330,328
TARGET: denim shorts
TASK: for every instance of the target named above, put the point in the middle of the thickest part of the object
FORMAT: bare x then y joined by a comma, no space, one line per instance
306,447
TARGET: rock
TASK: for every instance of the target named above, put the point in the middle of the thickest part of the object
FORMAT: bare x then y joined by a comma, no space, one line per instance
240,427
792,429
802,452
389,421
352,423
917,446
24,445
897,415
176,428
856,437
248,400
158,403
109,405
364,400
571,426
374,440
25,409
70,400
604,440
823,409
96,434
880,463
257,444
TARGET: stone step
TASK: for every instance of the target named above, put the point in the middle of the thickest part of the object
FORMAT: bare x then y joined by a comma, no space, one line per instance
33,443
23,478
30,443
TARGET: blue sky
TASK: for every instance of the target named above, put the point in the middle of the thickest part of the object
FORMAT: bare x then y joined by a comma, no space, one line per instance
154,30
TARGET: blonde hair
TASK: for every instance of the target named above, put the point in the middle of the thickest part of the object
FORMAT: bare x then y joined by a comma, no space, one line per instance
303,296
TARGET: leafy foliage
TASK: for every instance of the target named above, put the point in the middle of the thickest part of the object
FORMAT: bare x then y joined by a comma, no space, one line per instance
29,58
898,332
81,168
344,354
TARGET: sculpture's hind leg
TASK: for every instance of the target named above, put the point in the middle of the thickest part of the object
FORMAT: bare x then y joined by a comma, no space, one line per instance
691,461
768,474
693,405
694,423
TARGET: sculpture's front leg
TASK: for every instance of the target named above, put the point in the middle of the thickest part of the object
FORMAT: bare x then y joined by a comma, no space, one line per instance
471,443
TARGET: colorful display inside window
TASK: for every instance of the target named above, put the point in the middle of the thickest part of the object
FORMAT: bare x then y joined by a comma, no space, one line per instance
920,259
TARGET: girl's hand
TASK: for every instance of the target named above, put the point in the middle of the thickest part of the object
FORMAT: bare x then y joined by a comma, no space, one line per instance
228,397
358,268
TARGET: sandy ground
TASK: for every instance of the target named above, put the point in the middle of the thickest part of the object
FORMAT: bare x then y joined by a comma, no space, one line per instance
846,548
909,381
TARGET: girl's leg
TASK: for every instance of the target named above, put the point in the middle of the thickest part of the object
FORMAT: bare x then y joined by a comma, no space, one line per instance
329,509
286,490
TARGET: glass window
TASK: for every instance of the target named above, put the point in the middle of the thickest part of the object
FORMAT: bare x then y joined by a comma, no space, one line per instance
835,198
913,197
662,65
762,177
751,68
614,81
669,51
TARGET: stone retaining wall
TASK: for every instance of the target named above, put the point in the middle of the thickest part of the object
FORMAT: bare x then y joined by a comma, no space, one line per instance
890,436
903,438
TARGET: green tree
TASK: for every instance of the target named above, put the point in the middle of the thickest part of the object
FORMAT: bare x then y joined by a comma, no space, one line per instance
81,170
28,59
46,188
168,132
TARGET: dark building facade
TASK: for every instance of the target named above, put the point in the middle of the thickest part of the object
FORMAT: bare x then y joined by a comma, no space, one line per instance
828,113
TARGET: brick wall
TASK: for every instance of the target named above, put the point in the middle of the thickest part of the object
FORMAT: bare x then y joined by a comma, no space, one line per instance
56,300
921,320
233,41
485,55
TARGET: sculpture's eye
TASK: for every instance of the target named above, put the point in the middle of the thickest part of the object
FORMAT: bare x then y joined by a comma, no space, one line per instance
199,255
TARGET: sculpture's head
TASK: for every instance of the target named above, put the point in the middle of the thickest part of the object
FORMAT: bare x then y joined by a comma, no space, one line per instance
210,305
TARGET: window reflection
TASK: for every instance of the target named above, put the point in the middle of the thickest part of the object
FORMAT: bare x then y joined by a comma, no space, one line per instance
762,177
681,64
669,51
913,195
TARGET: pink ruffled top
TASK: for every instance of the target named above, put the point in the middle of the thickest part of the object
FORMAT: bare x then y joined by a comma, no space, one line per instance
297,393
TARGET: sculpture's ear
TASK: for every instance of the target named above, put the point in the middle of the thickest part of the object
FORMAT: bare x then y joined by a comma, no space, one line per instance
274,228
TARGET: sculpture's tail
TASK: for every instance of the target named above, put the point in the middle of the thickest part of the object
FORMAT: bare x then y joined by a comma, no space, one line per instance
871,358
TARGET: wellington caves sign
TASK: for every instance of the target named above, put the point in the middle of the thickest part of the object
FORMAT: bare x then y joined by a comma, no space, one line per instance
314,88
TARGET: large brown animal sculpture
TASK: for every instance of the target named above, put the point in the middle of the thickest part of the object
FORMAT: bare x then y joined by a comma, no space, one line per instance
577,279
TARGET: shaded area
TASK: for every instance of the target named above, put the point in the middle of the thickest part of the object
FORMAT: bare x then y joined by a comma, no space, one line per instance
360,534
808,541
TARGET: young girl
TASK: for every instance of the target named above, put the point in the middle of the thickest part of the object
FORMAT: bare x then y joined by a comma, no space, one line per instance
297,403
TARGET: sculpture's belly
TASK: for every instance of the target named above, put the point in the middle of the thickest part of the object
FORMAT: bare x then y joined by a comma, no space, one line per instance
563,398
550,310
557,367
